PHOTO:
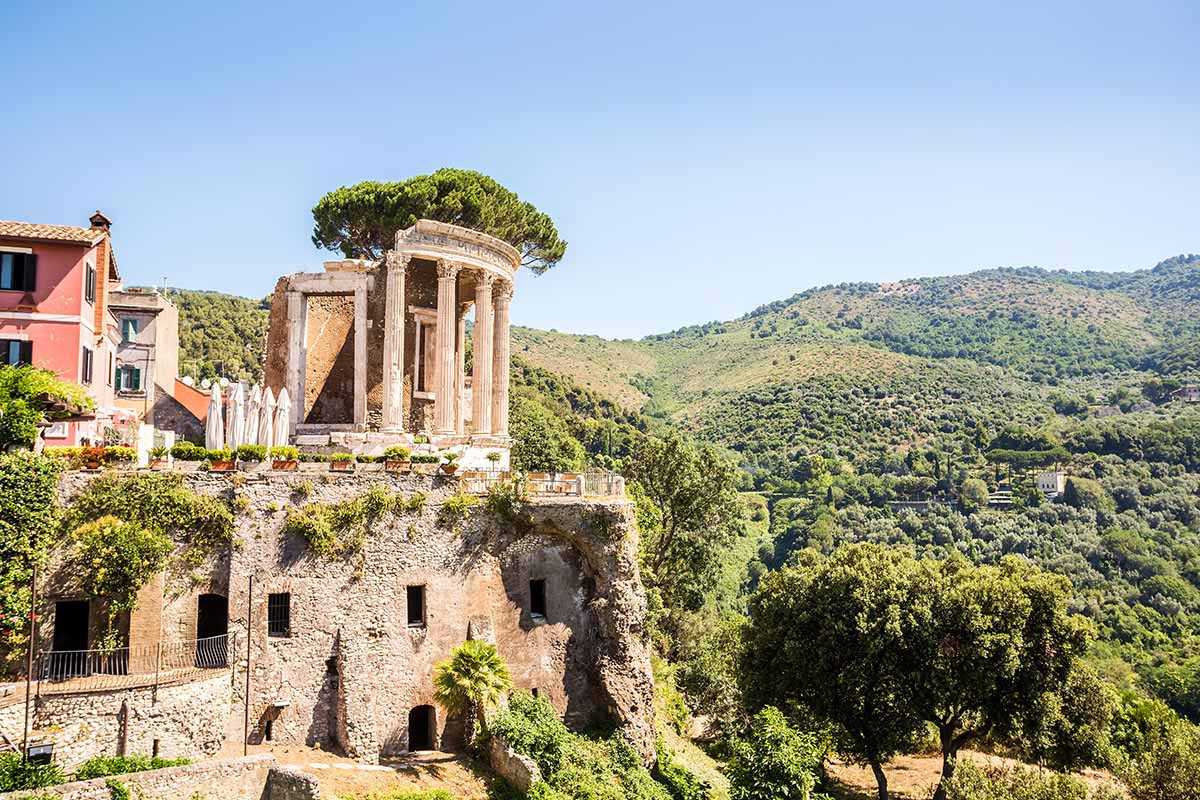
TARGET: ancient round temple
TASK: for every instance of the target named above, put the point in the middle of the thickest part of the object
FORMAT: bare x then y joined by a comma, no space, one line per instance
374,354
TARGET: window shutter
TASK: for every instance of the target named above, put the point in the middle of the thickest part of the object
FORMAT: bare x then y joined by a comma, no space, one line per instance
30,271
137,379
26,353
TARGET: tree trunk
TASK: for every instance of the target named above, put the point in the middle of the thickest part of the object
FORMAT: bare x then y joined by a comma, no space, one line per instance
880,779
949,760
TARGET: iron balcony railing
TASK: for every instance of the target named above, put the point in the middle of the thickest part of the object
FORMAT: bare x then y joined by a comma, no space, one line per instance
549,484
72,671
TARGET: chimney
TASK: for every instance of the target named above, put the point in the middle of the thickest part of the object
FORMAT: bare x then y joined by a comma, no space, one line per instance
100,221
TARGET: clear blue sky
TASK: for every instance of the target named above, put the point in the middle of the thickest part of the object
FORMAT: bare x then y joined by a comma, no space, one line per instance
701,159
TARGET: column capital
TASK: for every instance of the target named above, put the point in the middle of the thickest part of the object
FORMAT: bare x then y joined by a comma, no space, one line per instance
398,261
503,290
464,307
485,278
447,268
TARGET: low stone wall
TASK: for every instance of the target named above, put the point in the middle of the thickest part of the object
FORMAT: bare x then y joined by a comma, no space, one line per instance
520,771
248,778
186,721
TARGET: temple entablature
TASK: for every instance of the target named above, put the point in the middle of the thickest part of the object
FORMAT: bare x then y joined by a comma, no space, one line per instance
373,353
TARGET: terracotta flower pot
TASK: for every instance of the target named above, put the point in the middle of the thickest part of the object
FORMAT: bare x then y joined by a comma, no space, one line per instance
286,466
398,466
341,466
222,466
158,463
449,469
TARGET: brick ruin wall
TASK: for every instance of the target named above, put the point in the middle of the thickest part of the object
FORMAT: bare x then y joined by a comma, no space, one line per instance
352,668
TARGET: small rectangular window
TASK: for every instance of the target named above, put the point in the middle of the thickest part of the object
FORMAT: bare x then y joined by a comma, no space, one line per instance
108,374
15,351
534,691
537,599
87,366
416,606
129,329
18,271
89,284
279,615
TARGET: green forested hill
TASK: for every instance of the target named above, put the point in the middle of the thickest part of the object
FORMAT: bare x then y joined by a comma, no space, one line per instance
220,334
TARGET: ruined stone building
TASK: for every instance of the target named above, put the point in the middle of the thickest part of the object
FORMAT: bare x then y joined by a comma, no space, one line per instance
340,649
374,354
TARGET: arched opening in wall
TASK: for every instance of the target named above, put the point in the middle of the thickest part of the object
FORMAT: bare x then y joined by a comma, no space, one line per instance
212,625
421,728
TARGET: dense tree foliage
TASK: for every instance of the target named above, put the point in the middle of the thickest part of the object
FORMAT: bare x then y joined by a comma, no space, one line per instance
31,397
361,221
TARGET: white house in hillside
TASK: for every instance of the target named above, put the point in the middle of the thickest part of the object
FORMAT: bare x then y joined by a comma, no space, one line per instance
1051,484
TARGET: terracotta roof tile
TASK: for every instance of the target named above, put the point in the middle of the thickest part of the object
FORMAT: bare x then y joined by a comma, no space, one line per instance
52,233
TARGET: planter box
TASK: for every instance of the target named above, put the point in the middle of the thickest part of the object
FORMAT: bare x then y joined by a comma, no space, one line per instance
341,466
222,466
449,469
159,463
285,466
425,469
371,466
252,466
398,466
313,466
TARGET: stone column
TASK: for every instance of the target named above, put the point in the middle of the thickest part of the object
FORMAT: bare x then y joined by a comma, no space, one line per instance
500,358
393,343
443,417
481,375
360,357
297,342
460,370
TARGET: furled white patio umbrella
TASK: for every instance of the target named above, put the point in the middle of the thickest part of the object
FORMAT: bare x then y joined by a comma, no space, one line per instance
237,421
283,418
214,428
266,419
253,408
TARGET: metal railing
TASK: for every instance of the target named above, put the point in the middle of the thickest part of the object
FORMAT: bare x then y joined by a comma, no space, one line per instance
74,671
548,484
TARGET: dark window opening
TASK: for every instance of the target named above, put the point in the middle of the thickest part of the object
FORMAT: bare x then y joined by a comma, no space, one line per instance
89,284
420,728
154,749
279,615
87,365
267,730
416,606
537,599
15,351
70,640
534,691
18,271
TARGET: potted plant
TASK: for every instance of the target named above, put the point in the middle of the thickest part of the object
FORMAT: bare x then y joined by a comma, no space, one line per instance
448,465
371,463
494,459
397,458
91,457
188,456
119,454
424,463
221,460
251,456
312,462
158,457
342,462
285,458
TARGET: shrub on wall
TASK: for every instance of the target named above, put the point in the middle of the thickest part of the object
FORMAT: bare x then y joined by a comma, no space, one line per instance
160,502
103,766
29,517
572,765
115,560
338,530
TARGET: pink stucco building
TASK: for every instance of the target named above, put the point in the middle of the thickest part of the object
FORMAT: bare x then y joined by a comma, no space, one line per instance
54,285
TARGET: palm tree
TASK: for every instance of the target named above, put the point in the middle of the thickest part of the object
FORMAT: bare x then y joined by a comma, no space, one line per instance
472,681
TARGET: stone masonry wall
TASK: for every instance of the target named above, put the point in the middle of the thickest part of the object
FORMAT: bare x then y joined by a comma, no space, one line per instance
246,778
187,720
351,668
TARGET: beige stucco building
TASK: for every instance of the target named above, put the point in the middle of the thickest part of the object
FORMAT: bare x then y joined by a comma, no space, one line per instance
374,354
